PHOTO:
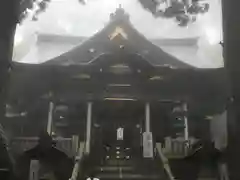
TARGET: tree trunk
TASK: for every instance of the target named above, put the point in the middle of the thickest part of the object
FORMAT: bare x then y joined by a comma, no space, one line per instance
8,19
231,26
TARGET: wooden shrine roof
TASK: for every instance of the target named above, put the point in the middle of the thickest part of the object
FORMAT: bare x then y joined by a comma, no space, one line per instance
118,35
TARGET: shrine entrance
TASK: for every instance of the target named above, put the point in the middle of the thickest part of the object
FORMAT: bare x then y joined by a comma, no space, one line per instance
118,124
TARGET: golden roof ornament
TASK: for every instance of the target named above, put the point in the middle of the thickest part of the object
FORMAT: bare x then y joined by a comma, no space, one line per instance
118,31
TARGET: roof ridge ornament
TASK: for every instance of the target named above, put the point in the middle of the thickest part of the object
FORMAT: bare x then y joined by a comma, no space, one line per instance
118,31
120,13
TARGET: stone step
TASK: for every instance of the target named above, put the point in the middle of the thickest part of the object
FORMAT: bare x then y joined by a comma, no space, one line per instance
115,168
117,162
128,176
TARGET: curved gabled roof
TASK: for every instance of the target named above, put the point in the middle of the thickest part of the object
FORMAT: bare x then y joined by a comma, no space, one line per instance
118,35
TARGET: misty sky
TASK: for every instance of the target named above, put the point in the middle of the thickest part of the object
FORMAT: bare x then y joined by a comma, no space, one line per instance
71,18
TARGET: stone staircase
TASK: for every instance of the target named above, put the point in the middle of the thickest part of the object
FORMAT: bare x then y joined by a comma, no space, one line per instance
125,163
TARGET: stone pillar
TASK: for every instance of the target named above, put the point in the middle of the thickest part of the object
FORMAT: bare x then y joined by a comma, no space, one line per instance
50,118
88,127
218,130
34,170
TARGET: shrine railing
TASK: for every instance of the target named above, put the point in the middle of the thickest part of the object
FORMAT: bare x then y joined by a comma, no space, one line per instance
78,162
176,148
21,144
165,161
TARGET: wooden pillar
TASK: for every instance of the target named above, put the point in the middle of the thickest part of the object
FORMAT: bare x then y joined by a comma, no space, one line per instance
75,144
50,118
147,135
231,42
186,134
88,127
147,118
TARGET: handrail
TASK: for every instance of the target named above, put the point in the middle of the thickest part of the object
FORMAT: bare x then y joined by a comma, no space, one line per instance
37,138
64,144
78,159
164,161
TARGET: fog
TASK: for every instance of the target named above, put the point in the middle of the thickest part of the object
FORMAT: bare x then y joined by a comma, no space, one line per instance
69,17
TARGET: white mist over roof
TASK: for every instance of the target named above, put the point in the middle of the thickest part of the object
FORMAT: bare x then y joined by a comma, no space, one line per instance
69,17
